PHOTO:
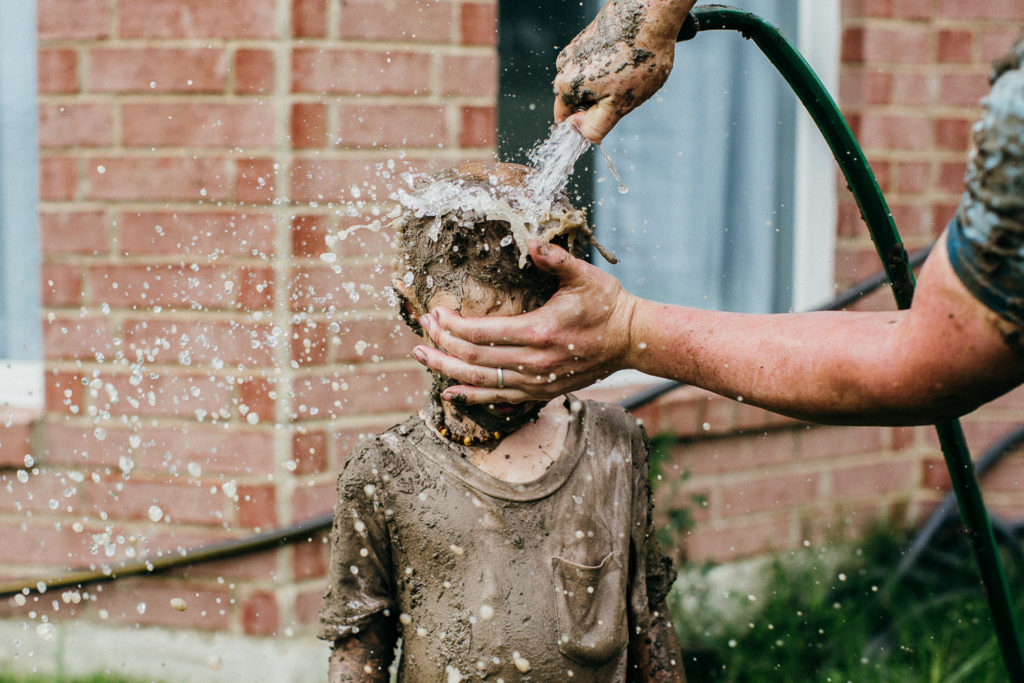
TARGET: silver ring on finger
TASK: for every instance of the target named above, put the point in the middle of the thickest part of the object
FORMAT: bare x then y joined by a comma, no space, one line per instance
501,379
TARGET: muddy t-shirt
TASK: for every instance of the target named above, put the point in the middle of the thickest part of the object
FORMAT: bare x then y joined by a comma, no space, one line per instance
487,579
986,238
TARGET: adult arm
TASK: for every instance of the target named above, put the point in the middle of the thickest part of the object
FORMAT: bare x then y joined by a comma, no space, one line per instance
364,656
941,358
617,62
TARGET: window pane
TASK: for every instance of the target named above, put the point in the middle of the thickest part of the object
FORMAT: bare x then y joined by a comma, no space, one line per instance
708,161
19,234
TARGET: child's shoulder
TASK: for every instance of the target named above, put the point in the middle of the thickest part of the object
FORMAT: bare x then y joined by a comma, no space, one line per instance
375,453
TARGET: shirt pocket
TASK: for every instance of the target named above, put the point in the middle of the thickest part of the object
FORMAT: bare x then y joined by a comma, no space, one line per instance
590,608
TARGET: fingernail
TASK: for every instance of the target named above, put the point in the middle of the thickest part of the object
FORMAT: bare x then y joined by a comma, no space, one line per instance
542,249
427,321
448,396
419,355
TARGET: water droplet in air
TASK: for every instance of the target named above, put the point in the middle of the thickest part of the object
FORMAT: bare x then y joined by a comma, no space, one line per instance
155,513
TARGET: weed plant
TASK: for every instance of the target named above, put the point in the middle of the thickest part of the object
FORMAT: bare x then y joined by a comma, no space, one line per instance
844,615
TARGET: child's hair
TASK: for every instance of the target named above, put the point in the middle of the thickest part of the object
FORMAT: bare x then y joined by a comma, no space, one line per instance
1014,59
455,236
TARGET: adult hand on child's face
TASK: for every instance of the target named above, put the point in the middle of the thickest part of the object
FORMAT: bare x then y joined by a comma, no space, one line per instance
616,63
579,336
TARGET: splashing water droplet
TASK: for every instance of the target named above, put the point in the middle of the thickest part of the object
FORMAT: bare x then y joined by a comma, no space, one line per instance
155,513
611,167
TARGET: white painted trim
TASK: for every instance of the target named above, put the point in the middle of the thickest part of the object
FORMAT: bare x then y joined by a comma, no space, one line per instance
814,211
21,384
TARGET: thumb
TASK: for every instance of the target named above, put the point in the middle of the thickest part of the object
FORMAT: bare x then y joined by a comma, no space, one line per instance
557,261
599,120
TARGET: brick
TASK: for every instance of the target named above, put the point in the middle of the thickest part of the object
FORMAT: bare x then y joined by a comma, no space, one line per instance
400,20
768,491
73,232
258,396
962,89
196,233
912,219
955,46
256,181
309,233
15,444
197,124
58,178
78,338
157,70
915,9
204,342
391,125
197,19
42,544
479,127
873,479
179,501
58,71
255,289
344,441
997,41
310,558
254,71
309,125
868,8
362,242
953,133
309,18
307,607
257,507
214,450
894,131
312,501
75,125
309,452
904,45
951,177
314,180
148,602
861,87
309,343
319,288
73,19
748,537
156,179
993,10
63,392
934,474
46,493
832,442
912,89
165,395
366,72
261,566
174,286
358,393
1007,476
383,338
479,23
469,75
62,285
707,457
260,615
78,444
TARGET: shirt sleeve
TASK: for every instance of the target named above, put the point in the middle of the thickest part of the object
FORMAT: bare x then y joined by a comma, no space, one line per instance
985,240
360,583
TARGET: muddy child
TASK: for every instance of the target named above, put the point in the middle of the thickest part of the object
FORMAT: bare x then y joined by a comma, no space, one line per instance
499,542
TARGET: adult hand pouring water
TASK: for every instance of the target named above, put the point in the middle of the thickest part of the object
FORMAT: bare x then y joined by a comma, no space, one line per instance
960,344
617,62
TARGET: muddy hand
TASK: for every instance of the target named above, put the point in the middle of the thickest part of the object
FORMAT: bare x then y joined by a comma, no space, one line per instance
617,62
579,336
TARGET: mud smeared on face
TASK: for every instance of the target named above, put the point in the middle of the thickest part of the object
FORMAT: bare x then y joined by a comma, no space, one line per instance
464,232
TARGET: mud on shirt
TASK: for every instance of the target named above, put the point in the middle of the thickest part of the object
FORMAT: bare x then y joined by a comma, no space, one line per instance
487,579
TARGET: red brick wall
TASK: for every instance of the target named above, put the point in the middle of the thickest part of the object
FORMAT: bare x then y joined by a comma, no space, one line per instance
208,364
203,357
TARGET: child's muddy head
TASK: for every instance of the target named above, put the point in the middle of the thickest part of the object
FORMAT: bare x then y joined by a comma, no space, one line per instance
464,231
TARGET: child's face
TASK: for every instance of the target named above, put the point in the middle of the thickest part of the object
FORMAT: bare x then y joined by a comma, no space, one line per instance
478,300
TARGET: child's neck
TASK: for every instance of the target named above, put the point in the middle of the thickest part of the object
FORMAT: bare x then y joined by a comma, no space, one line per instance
523,455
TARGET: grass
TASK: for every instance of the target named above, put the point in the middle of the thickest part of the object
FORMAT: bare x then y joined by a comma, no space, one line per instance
836,616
